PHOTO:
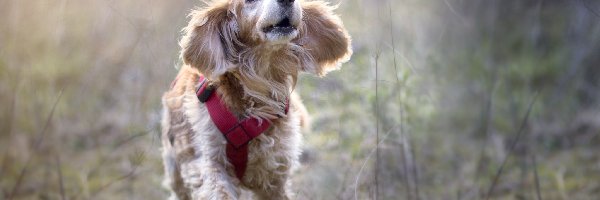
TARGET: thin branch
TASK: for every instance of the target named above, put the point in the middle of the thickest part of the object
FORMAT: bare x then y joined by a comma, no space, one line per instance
139,159
61,185
415,171
451,8
13,101
393,42
120,14
405,165
11,118
404,59
376,126
36,148
589,8
104,159
512,147
398,90
537,178
2,165
366,161
343,183
484,124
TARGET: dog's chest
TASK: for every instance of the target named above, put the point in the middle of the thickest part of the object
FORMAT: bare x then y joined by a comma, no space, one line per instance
272,154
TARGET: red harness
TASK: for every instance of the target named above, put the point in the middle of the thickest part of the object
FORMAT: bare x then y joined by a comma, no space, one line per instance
237,133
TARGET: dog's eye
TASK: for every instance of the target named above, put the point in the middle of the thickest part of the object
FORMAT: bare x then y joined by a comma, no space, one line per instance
250,1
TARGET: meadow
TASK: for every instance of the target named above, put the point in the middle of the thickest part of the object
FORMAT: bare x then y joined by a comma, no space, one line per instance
442,99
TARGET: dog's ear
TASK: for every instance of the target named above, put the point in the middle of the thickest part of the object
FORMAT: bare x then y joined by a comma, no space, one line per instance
206,43
324,37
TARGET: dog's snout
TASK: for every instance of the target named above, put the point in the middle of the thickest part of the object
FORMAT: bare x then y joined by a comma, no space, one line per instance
285,2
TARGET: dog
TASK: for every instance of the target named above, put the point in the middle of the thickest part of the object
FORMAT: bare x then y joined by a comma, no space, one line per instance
247,54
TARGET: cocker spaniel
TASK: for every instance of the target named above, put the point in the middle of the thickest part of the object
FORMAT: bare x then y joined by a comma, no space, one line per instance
230,120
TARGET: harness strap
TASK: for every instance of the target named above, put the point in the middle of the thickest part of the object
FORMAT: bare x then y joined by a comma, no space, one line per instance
237,133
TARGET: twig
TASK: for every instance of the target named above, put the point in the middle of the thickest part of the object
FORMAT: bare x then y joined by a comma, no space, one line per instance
140,158
588,7
484,126
415,171
400,104
104,159
120,14
13,103
36,147
393,42
365,163
60,178
405,165
464,23
537,178
376,126
343,183
512,147
11,119
131,138
409,65
3,165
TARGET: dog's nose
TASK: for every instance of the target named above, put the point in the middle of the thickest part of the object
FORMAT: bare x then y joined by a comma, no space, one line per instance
285,2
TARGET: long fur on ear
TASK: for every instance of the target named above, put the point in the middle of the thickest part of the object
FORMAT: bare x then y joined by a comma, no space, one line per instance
209,39
324,37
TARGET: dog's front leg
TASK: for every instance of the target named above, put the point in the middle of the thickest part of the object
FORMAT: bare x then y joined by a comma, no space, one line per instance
209,180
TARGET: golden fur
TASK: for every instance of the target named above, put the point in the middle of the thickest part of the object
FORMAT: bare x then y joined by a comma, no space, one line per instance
254,76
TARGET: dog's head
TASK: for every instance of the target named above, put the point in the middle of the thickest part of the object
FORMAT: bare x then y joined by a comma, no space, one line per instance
229,32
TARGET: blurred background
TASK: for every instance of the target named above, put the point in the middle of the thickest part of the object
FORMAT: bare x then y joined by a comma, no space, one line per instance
442,99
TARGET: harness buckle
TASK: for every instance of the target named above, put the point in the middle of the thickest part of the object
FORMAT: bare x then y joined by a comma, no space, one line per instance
204,91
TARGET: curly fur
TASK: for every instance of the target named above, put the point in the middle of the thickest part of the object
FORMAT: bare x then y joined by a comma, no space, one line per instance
255,76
